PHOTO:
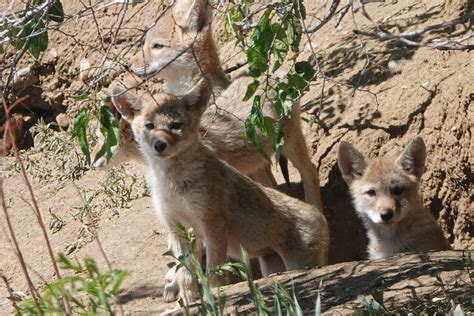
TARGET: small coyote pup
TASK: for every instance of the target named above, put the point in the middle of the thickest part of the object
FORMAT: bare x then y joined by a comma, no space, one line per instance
180,49
386,196
191,186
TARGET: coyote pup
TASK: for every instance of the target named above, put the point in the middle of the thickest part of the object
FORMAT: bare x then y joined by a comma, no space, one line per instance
191,186
180,48
386,196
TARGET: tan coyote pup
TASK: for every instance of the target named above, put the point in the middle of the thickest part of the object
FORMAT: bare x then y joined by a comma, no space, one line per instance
180,49
386,196
191,186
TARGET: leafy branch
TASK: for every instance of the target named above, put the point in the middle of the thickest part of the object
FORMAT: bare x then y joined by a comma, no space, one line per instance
276,35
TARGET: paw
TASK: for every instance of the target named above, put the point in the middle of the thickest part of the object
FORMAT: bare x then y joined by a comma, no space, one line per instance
187,286
170,292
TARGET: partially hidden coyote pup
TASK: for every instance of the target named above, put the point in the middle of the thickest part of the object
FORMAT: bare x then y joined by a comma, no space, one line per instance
191,186
386,196
180,49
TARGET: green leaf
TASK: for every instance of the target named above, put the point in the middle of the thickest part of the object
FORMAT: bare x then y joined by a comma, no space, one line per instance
67,264
91,266
39,42
258,62
280,50
378,296
111,131
269,128
294,31
255,119
18,36
317,309
304,69
259,45
80,131
168,253
277,306
458,311
251,88
118,280
56,12
298,310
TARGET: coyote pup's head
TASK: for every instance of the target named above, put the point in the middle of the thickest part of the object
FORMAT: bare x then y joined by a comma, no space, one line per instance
383,190
164,125
167,50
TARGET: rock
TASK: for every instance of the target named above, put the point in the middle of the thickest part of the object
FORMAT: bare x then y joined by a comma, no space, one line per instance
52,56
63,121
25,78
85,70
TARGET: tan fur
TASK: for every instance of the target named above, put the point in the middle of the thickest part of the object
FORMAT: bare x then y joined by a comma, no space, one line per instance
14,131
386,196
191,186
185,52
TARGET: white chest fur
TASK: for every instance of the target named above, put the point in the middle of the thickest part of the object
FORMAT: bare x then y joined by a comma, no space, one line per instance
175,194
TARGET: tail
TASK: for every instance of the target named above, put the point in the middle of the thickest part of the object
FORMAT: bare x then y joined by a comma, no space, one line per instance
283,162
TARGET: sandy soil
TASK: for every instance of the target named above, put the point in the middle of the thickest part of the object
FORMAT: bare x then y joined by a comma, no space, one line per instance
408,92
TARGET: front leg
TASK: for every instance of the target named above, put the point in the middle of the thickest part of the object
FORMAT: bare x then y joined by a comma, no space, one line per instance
181,279
216,253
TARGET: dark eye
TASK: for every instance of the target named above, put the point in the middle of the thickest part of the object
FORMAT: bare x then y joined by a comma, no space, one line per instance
176,125
158,46
398,190
150,125
370,193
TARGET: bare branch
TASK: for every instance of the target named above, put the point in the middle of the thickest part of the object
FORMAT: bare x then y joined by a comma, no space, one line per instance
442,44
332,10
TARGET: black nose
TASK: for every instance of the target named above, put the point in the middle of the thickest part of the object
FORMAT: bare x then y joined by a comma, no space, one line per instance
160,146
387,215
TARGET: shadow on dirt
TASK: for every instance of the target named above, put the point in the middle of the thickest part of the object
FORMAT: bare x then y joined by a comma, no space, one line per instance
140,291
377,61
348,238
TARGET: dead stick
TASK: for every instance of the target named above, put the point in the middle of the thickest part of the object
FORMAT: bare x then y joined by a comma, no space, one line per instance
36,209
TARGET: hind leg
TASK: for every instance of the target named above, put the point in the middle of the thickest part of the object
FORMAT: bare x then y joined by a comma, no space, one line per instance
271,264
296,151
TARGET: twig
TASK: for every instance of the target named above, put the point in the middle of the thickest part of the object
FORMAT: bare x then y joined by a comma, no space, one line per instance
332,9
18,253
342,12
238,65
10,292
36,210
442,44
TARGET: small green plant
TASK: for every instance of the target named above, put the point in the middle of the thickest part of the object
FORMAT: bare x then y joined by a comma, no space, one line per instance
89,291
120,187
109,127
55,155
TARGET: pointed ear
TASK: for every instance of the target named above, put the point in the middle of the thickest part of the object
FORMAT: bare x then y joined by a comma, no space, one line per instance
193,15
125,102
351,162
198,97
412,159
